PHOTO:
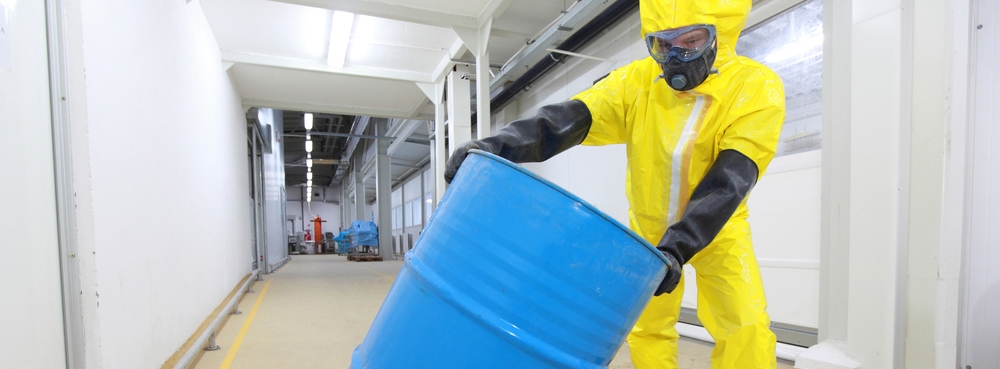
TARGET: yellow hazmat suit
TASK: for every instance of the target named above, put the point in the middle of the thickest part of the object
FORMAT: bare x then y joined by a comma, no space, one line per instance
672,138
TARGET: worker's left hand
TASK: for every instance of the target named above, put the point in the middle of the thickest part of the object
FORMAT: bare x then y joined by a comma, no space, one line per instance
673,276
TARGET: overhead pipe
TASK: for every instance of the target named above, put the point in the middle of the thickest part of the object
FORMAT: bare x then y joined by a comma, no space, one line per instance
602,21
357,128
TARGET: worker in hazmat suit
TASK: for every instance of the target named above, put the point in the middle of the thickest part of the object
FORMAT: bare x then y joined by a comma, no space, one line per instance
700,124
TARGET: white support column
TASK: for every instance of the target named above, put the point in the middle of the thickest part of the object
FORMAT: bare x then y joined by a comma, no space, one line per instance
459,108
440,153
940,122
865,185
345,207
383,190
435,92
359,185
835,228
402,211
477,40
423,199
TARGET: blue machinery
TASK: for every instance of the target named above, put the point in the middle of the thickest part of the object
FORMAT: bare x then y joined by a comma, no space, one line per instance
364,237
343,241
512,272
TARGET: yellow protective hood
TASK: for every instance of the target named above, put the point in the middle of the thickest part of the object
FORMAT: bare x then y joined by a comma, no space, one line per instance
728,17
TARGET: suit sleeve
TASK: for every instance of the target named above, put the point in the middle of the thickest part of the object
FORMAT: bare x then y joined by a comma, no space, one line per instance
607,109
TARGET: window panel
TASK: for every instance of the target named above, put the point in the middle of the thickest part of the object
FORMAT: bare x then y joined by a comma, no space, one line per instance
428,206
408,214
415,214
791,43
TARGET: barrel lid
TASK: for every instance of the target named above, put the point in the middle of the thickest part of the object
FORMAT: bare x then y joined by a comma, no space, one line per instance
574,198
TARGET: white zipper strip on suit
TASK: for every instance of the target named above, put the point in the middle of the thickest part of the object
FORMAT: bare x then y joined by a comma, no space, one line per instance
678,158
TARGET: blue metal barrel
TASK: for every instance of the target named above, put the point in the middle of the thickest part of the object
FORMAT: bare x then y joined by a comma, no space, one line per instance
512,272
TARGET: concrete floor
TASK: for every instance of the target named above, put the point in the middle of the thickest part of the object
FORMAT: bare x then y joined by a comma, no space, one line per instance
313,312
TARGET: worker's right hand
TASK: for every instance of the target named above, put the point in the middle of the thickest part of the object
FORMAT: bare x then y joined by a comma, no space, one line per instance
673,276
458,156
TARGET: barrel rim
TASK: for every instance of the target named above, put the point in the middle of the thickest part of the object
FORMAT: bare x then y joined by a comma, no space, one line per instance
573,197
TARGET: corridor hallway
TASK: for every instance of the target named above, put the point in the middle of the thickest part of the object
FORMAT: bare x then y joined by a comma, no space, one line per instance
315,310
310,314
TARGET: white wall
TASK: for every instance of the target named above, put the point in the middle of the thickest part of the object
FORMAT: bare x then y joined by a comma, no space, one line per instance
329,211
414,196
160,165
294,209
403,197
32,303
786,237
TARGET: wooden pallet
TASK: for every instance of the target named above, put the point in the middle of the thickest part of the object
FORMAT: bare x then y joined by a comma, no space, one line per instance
368,257
364,257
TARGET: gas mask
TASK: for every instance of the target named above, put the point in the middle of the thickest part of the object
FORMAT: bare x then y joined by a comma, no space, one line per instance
685,54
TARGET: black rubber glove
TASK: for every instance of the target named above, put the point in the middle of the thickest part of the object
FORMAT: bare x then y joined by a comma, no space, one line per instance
713,202
553,129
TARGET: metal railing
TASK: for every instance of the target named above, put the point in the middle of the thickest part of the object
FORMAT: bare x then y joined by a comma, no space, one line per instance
207,339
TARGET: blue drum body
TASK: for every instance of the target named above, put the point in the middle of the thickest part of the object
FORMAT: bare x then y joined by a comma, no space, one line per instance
512,272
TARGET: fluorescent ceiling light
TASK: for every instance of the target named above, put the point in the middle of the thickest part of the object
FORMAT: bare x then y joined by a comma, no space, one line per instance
309,121
309,183
309,163
309,146
309,175
340,37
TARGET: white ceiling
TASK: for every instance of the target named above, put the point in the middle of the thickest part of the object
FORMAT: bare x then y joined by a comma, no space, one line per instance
276,53
277,49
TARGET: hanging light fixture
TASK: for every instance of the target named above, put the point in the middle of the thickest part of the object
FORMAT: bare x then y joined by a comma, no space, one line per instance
309,183
309,174
309,145
309,121
309,163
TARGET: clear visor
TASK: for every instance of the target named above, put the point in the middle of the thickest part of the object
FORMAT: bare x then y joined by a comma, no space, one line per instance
685,43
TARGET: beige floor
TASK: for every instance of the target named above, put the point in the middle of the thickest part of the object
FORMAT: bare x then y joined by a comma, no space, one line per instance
317,308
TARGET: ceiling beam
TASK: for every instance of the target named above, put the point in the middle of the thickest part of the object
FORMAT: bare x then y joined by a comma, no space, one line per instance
514,35
457,48
405,165
493,10
417,107
565,25
394,11
408,128
315,66
323,108
338,134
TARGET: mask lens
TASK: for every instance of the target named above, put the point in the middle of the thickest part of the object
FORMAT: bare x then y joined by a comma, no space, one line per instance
686,43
